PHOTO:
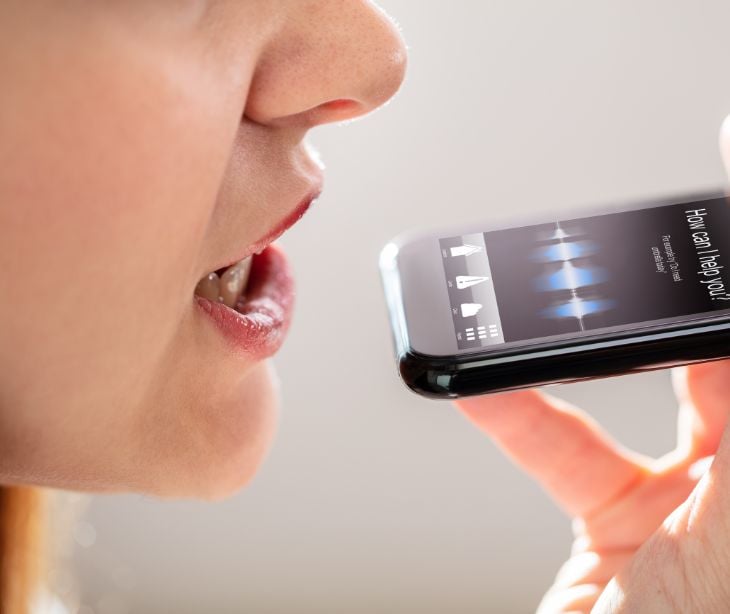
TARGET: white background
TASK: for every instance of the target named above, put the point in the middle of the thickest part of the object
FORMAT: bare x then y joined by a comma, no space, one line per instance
373,499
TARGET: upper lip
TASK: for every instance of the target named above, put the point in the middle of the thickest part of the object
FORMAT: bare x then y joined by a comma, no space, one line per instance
278,228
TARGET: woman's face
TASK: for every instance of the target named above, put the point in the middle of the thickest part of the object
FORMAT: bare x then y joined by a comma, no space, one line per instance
144,145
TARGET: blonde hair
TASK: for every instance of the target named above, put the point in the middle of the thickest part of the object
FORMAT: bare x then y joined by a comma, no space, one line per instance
21,547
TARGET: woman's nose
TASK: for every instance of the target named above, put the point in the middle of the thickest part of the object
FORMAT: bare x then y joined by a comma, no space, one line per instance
331,60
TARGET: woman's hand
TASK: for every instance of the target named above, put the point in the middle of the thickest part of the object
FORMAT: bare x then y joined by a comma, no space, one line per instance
647,537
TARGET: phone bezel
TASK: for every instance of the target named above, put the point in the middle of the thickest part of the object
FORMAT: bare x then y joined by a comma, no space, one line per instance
448,377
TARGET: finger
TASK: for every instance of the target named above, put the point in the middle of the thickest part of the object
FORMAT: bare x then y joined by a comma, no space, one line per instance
566,451
572,600
630,520
592,567
581,580
691,545
725,142
703,392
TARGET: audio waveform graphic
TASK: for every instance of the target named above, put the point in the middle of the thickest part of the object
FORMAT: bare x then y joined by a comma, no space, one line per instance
566,246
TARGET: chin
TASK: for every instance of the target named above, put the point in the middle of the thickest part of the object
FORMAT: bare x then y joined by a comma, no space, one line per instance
222,443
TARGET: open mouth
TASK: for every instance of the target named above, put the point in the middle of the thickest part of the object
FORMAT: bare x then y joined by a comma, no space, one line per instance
252,305
251,300
226,285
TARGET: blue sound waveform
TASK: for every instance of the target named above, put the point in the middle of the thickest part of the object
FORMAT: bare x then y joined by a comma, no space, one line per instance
558,233
578,308
564,251
570,277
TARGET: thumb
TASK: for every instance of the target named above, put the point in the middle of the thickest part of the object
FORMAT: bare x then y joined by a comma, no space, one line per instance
725,142
687,560
703,391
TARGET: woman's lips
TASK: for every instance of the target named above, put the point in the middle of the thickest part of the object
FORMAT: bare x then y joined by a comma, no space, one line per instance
276,231
258,324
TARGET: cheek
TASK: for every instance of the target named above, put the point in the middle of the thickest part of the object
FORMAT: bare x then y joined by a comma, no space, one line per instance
106,201
102,236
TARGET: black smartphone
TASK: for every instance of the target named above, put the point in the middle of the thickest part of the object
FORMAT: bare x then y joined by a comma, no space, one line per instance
476,310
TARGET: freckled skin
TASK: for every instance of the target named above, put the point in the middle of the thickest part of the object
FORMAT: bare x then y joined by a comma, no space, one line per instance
126,175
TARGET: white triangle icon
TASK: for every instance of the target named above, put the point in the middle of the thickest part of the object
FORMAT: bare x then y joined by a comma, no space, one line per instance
465,250
465,281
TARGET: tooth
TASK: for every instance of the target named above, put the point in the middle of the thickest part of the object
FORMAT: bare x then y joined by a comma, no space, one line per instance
234,280
209,287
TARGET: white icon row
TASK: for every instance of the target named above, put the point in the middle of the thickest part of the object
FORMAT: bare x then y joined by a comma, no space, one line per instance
482,332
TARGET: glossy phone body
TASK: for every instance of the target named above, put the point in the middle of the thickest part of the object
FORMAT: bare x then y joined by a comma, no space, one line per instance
476,310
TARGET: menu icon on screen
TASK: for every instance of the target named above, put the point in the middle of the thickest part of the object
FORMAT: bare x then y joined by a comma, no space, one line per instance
470,289
467,281
465,250
470,309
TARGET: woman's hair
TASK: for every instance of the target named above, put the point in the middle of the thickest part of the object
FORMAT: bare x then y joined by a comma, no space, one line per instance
21,547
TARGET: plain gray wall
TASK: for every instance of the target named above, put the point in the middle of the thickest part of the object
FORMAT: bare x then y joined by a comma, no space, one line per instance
374,500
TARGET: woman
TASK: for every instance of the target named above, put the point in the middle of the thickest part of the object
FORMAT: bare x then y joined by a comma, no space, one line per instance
146,145
151,152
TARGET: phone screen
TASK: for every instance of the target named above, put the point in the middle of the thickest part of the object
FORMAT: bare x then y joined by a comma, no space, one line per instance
589,275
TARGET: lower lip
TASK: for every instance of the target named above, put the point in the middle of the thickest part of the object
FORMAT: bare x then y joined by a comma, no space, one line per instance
259,326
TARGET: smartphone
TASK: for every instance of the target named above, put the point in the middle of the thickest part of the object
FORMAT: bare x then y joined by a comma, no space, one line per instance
477,310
